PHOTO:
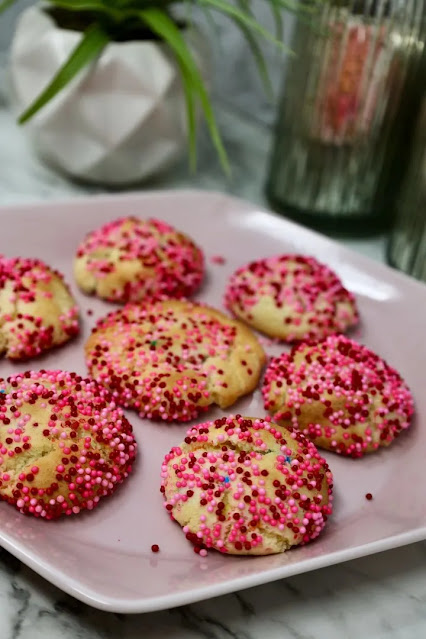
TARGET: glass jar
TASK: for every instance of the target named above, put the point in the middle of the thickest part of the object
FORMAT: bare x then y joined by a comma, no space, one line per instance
407,243
341,120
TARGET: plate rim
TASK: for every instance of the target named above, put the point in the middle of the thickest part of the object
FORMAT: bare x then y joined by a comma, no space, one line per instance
161,602
174,600
71,200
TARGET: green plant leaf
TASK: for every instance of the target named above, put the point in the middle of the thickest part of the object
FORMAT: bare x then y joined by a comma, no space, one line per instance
247,20
212,24
84,5
189,9
278,19
5,4
305,12
90,5
255,49
294,6
190,115
90,46
161,24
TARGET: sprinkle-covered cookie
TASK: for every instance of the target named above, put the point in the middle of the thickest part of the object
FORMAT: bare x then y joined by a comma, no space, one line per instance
247,486
130,259
37,310
291,297
63,443
340,394
171,360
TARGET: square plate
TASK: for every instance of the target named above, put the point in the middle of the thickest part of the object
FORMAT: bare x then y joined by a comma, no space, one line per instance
104,558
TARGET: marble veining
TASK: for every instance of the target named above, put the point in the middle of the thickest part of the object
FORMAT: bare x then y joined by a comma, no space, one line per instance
378,597
381,597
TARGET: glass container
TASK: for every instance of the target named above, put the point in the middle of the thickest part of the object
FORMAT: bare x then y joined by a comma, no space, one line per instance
407,243
346,104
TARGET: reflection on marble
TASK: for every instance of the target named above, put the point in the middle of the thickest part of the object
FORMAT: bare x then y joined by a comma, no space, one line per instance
378,597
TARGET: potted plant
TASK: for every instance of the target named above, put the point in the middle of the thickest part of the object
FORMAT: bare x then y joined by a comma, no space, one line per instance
112,88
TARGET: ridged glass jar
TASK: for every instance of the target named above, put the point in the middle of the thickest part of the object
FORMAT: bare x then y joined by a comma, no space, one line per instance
347,101
407,243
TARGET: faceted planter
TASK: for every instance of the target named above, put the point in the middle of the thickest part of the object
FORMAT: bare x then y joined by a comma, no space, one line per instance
120,121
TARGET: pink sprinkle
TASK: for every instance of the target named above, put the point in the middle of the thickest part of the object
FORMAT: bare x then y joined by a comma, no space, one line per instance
232,491
176,264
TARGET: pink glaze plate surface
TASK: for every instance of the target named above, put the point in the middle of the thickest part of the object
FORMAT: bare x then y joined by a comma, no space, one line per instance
104,557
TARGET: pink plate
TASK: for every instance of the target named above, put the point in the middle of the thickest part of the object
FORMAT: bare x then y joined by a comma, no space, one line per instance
104,558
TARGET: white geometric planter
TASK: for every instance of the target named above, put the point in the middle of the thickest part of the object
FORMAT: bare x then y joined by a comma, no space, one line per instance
120,121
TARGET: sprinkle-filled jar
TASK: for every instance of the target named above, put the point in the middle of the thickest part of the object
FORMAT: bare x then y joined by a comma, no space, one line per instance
346,102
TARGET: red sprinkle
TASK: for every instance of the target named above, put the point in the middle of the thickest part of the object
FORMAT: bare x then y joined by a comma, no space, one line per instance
343,394
217,259
369,496
231,495
169,355
81,423
28,293
305,295
165,263
155,548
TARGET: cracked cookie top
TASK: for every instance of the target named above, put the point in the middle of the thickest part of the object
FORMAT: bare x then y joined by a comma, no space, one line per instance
340,394
64,444
291,297
173,359
247,486
37,310
129,259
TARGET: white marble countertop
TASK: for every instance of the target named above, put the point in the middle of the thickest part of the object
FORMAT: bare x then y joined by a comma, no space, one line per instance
375,597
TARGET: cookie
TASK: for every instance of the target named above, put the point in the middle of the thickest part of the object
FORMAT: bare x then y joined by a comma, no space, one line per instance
63,443
246,486
291,297
340,394
171,360
130,259
37,310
